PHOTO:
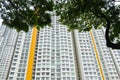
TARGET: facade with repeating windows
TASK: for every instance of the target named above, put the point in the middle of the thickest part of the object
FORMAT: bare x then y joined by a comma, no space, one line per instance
8,39
47,54
96,61
53,53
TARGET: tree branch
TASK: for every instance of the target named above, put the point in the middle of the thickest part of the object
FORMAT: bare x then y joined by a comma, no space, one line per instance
108,42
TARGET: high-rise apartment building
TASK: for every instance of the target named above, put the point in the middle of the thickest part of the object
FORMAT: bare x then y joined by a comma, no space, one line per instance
47,54
53,53
8,39
96,61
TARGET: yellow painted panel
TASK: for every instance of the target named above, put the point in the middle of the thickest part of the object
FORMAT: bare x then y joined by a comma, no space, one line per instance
31,55
97,57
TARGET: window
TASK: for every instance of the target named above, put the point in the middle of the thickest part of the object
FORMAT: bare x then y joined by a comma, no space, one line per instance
73,78
14,64
10,78
38,73
13,68
37,78
47,78
47,73
43,73
11,73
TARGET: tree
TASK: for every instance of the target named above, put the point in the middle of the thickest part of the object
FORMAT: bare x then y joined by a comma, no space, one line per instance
76,14
86,14
21,14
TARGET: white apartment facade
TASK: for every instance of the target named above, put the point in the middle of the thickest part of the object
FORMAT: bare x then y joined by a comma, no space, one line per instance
51,58
8,39
96,61
53,53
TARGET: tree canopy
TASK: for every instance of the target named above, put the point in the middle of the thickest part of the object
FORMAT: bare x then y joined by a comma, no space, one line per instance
82,15
86,14
22,14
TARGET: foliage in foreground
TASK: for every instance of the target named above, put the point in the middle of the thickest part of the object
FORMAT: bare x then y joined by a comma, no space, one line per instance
21,14
76,14
86,14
